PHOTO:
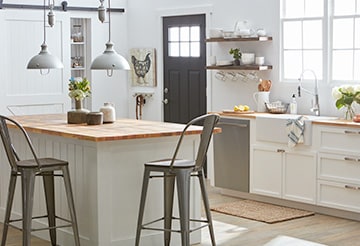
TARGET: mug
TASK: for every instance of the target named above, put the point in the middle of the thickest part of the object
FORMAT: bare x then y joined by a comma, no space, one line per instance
261,97
259,60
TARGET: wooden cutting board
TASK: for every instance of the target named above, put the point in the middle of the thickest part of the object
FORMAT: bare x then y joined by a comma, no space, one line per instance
230,111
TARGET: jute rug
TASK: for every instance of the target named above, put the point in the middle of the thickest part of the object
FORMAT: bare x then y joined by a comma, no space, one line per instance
260,211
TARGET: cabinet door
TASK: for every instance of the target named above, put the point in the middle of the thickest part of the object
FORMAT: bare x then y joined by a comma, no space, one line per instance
299,182
266,171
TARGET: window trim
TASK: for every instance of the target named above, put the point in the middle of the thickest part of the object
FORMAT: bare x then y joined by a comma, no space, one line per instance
327,44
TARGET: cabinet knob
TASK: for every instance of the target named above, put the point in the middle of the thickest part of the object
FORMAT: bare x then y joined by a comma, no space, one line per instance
165,101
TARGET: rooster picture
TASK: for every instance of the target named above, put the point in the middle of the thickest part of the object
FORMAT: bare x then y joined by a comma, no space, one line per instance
143,66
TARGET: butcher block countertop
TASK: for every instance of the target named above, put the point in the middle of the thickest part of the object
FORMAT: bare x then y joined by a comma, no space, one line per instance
329,122
121,129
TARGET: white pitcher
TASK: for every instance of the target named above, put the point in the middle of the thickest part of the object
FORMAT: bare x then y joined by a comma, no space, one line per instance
261,97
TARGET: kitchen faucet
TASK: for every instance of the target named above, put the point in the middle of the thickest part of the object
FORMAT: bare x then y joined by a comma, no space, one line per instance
316,106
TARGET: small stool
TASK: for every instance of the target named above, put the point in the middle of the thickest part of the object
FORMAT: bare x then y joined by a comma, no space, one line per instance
180,170
28,170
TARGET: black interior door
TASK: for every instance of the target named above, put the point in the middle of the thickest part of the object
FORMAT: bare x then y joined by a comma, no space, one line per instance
184,67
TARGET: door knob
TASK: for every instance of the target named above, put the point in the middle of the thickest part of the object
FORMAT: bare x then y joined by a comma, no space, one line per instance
165,101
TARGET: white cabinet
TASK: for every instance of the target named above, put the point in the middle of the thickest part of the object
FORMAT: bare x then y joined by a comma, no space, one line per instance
338,167
283,173
265,171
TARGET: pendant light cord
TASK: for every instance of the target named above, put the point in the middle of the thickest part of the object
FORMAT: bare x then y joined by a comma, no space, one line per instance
109,21
44,22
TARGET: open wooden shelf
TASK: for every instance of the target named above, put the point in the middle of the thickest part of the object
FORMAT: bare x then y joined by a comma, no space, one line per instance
241,67
236,39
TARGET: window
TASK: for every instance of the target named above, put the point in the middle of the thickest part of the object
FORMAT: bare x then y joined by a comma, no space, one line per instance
184,41
323,36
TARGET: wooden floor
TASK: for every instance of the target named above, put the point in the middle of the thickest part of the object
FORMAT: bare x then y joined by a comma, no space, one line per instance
235,231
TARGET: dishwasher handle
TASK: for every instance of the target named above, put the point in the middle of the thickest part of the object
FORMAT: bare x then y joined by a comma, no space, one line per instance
233,124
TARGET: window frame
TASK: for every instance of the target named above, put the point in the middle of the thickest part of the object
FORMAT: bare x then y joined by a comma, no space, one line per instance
327,43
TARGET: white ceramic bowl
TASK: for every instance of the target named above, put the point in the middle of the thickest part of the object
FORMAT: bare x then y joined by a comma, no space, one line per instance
216,33
228,34
248,58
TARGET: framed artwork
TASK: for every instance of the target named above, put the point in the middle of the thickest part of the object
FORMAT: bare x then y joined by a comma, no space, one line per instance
143,67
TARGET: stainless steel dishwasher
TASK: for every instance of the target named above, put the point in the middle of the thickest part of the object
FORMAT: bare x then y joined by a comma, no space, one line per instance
231,154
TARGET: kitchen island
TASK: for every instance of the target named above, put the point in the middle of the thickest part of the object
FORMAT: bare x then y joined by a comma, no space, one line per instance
106,167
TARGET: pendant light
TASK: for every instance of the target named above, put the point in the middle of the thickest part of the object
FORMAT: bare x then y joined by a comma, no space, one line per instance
44,60
110,60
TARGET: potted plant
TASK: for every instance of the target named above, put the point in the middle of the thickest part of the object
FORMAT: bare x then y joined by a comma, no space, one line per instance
236,53
79,88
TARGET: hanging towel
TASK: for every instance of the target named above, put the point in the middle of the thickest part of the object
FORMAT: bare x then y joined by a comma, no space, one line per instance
295,130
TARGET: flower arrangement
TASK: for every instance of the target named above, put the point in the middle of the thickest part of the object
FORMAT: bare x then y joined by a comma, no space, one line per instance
345,95
79,88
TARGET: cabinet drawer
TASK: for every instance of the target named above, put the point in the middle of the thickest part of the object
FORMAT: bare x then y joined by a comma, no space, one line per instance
337,167
339,195
340,139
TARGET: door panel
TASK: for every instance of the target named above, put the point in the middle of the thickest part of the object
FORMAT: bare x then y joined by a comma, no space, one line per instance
26,91
184,67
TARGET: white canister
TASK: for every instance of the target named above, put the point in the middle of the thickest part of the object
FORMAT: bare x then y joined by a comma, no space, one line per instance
109,113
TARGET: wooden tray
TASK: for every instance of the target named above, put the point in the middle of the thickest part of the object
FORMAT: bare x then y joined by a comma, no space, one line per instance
230,111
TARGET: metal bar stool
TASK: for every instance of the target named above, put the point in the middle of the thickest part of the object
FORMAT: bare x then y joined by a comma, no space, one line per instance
28,169
180,170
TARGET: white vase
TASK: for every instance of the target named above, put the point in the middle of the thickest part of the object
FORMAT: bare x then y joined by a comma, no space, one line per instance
109,112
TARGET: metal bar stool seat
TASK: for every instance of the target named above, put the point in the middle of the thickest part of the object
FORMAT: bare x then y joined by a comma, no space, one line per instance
28,169
180,171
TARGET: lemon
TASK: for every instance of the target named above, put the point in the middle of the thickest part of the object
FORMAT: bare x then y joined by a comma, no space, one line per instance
236,108
241,107
246,108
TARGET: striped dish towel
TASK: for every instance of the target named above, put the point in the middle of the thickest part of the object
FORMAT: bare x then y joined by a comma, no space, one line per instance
295,130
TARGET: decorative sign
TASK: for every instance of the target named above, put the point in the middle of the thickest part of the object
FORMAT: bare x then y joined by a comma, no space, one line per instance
143,67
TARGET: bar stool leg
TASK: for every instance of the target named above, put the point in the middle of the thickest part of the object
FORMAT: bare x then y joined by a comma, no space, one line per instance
206,207
71,204
12,185
183,187
169,184
142,205
48,180
27,182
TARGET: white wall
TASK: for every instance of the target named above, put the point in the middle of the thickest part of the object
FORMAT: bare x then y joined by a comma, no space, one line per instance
39,89
144,25
141,26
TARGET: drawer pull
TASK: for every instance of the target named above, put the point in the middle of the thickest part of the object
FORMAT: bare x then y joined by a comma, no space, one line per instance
352,187
280,151
351,132
350,159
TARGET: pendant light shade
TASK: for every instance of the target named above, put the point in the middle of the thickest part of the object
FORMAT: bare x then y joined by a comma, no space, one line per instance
44,60
109,60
